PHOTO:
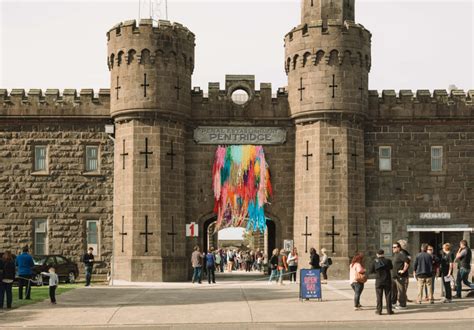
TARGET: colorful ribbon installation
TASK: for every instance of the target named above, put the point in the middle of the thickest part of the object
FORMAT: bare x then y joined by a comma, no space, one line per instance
241,183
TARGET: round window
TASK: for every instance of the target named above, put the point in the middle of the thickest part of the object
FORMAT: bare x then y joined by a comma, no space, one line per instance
240,97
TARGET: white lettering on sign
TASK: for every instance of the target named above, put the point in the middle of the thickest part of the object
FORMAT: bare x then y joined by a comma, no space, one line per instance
440,215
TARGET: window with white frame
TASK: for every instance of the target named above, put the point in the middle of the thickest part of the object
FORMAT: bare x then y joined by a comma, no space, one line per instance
92,235
385,158
40,158
436,159
92,158
41,237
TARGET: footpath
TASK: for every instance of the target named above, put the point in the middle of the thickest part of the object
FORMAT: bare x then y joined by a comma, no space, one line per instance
240,301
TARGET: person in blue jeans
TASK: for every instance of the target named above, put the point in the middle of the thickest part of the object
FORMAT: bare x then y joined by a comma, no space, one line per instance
211,266
273,264
463,259
196,262
7,275
88,260
24,263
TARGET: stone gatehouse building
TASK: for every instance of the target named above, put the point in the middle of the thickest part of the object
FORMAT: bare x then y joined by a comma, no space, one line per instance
355,169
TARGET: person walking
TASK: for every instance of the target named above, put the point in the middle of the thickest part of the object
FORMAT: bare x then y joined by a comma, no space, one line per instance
400,277
463,259
217,255
282,265
24,263
88,260
383,281
230,260
7,276
293,264
423,271
196,262
314,260
446,271
273,265
324,265
211,266
357,278
404,250
53,283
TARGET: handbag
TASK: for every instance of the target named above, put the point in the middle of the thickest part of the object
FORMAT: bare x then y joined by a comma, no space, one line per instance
361,277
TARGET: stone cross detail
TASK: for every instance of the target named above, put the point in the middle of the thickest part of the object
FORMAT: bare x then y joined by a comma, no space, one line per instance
172,234
306,234
146,233
124,154
118,88
356,234
146,153
307,155
355,155
144,85
122,233
178,87
333,86
171,154
301,89
333,154
333,234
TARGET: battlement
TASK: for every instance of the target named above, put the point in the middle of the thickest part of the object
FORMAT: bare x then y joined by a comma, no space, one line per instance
52,103
301,41
145,26
219,104
421,104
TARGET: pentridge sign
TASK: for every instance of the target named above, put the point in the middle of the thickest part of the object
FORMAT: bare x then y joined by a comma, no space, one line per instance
240,135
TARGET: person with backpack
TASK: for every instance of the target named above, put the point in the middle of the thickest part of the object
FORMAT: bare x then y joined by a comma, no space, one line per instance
230,260
211,266
325,263
383,282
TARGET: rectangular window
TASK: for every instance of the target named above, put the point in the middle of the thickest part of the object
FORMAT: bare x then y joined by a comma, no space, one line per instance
385,158
92,158
436,159
386,236
41,237
92,235
40,158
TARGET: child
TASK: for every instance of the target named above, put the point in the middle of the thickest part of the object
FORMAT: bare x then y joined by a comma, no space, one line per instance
53,283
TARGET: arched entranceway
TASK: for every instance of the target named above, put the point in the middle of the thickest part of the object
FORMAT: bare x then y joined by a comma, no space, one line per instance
264,241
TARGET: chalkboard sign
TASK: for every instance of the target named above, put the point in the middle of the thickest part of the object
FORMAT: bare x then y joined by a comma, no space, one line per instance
310,284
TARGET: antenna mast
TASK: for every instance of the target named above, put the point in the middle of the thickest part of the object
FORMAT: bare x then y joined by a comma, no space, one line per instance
153,9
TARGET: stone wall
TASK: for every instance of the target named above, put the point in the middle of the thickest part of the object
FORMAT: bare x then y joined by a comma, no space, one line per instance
66,196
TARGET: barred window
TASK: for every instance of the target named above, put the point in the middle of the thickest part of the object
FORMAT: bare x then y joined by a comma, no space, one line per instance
385,158
92,158
40,158
436,159
41,237
92,235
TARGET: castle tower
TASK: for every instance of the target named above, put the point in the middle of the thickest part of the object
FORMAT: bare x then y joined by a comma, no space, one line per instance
327,62
151,70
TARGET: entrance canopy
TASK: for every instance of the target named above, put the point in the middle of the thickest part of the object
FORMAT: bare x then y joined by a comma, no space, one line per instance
438,228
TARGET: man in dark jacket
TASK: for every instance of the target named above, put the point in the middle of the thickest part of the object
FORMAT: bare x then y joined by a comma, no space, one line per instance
88,260
24,262
423,270
383,281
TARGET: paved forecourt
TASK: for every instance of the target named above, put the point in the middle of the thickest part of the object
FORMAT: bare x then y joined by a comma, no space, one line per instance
248,301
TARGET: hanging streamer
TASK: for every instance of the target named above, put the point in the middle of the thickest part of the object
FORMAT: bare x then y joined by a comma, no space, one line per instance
241,183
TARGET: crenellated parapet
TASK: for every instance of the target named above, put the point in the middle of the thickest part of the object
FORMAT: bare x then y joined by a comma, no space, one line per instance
422,104
150,68
219,104
52,103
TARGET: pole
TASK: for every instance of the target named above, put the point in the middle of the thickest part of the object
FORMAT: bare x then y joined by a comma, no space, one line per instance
166,9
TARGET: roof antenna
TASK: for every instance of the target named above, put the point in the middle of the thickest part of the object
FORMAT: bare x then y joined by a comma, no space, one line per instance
152,9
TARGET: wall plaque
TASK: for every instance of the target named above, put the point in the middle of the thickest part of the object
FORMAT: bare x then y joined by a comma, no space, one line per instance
240,135
439,215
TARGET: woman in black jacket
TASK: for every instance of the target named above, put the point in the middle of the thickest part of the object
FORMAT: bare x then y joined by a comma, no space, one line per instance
7,276
314,259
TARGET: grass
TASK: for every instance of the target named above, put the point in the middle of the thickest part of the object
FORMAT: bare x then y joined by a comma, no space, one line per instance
40,293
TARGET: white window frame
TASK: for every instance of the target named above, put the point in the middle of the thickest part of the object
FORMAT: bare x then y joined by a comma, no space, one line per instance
96,245
437,158
385,158
37,158
87,159
36,232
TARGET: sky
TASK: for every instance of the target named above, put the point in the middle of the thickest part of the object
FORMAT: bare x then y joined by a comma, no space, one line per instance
62,44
